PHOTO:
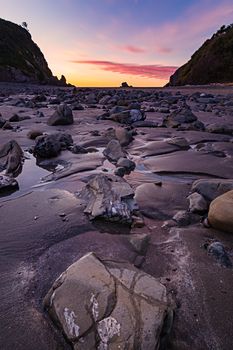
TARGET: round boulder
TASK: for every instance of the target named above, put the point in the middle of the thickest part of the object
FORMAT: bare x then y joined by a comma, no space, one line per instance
221,212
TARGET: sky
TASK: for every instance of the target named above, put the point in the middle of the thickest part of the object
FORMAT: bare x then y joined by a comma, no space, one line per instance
106,42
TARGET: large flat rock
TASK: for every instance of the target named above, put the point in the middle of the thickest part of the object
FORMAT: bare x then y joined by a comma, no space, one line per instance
103,305
191,162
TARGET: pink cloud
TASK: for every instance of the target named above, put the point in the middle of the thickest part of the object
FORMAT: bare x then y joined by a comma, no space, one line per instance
164,49
154,71
189,32
132,49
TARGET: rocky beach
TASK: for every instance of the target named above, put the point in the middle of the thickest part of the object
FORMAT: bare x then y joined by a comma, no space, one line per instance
116,217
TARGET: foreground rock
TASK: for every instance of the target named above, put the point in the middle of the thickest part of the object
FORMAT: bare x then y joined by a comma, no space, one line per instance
101,305
109,197
221,212
62,116
11,158
48,146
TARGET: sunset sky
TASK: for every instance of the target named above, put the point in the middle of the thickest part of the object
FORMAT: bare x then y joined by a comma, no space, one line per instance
106,42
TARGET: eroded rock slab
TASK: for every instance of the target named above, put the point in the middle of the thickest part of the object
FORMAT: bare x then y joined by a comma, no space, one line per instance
103,305
191,162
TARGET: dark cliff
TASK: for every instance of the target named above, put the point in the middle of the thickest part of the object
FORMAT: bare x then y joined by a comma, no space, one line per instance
212,63
21,60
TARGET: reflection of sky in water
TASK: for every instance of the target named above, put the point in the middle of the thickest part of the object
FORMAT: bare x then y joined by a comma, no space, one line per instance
31,173
30,176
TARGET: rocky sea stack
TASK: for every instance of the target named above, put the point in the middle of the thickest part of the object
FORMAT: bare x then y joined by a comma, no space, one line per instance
211,63
21,60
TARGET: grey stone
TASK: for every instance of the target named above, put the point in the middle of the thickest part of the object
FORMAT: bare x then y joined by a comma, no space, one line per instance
178,141
33,134
113,152
120,171
140,242
197,203
48,146
128,116
123,136
62,116
111,302
76,149
126,163
220,129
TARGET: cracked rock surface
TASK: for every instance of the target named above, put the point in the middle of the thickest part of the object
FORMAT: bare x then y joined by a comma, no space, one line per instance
109,197
108,305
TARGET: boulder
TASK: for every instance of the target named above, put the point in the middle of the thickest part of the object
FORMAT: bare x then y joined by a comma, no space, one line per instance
212,188
220,129
183,118
11,158
120,171
185,218
16,118
48,146
197,203
109,305
62,116
76,149
110,198
127,164
104,100
220,214
181,142
180,116
113,152
140,242
124,136
128,117
33,134
77,107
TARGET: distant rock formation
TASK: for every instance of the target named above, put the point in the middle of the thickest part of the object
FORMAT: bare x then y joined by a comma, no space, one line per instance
212,63
125,85
21,60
